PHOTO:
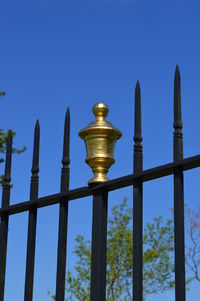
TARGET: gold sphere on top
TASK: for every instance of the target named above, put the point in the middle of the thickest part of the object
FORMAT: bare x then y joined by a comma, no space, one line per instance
100,109
100,137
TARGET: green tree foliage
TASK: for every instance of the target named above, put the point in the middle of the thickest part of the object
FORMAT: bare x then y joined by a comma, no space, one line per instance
157,257
3,141
192,226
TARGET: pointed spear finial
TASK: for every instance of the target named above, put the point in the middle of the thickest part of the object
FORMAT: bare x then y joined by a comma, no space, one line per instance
137,131
178,136
66,159
7,174
177,99
66,142
35,164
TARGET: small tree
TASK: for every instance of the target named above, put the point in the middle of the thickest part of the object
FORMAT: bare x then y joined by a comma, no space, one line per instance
192,226
158,261
157,257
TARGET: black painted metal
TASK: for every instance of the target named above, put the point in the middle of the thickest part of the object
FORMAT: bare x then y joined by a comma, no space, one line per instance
5,218
100,203
144,176
178,195
63,215
32,222
47,200
137,202
99,235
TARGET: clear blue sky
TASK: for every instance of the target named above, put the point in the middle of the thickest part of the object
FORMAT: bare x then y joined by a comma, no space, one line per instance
55,54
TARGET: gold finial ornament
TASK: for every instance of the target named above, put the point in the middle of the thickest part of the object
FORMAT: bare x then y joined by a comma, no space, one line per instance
100,137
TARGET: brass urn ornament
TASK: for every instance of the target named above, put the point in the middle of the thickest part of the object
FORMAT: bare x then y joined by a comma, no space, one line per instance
100,137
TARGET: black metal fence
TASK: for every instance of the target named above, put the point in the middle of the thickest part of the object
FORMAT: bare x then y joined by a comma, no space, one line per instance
100,204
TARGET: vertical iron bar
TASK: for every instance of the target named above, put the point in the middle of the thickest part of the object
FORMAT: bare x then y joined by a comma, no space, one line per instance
99,235
137,203
63,215
178,195
5,218
32,222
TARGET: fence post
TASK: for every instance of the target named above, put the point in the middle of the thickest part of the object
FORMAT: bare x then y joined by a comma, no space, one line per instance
99,237
137,203
63,215
32,220
178,195
5,218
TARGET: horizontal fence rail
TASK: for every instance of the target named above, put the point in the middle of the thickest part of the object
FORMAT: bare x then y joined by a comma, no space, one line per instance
99,192
78,193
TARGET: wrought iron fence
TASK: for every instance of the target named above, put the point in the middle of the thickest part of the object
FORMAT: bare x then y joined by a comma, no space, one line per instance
100,204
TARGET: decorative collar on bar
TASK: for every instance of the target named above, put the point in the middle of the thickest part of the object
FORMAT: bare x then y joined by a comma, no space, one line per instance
100,137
